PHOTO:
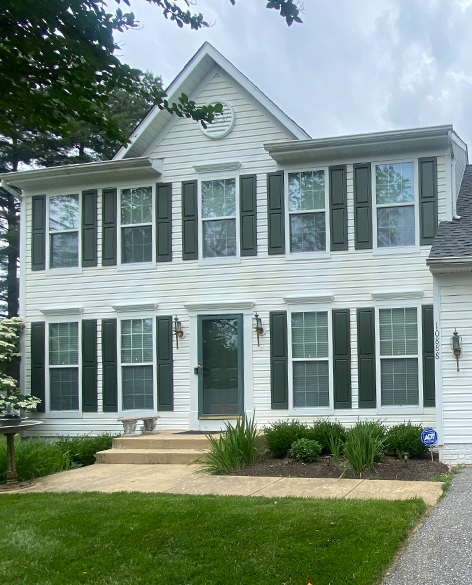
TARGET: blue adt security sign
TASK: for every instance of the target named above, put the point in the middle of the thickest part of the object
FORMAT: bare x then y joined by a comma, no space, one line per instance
429,436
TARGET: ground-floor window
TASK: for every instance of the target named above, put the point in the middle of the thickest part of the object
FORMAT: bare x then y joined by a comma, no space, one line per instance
310,359
137,364
398,329
64,366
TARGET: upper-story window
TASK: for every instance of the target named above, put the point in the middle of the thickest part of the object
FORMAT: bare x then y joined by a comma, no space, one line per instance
219,218
64,231
306,207
395,201
136,225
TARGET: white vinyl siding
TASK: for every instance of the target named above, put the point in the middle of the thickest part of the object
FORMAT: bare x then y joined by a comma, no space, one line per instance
307,215
137,364
136,225
64,216
63,381
310,359
399,356
218,213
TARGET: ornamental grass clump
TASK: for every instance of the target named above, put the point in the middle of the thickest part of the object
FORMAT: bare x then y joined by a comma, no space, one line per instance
364,445
235,447
406,438
305,450
282,434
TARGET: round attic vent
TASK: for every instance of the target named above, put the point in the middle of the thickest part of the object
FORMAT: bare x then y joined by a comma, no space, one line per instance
222,123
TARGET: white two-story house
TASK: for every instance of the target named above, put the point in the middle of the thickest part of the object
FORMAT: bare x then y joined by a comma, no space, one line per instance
200,230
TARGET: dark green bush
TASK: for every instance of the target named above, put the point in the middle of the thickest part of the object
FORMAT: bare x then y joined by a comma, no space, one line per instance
82,450
34,458
282,434
306,450
405,437
326,432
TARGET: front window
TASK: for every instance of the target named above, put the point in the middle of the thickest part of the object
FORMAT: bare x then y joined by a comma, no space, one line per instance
399,356
64,231
136,225
137,364
310,359
219,218
307,216
64,366
395,200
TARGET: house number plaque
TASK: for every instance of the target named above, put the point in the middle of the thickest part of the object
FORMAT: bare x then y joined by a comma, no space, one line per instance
437,342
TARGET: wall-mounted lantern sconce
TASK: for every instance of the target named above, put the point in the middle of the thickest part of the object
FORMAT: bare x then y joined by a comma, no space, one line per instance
177,330
456,346
257,324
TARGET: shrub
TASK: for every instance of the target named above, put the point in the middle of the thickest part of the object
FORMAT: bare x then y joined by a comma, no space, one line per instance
34,458
336,446
406,437
235,447
306,450
364,445
282,434
326,432
82,450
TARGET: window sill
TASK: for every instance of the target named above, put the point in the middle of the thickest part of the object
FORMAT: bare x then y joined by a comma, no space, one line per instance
307,255
133,266
322,410
396,250
219,261
400,410
63,271
64,414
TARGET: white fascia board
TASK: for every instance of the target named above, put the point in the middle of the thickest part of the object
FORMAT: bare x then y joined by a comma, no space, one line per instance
208,52
338,145
114,170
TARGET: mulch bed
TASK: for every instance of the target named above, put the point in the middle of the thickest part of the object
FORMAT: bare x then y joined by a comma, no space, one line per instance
389,468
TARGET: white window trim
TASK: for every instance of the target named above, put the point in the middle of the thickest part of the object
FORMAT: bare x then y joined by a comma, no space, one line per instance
130,266
137,411
69,269
236,259
310,308
306,255
381,250
406,409
71,318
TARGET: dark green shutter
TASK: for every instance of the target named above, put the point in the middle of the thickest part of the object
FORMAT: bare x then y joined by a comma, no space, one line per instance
338,207
366,357
189,221
109,363
38,236
89,365
428,199
276,212
342,358
38,367
362,207
278,360
89,228
165,383
428,356
164,222
248,210
109,227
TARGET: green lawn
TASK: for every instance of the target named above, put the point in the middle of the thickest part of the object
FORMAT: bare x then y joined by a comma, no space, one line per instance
165,539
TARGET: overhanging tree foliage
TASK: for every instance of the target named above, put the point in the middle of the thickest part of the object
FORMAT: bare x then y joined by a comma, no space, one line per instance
58,66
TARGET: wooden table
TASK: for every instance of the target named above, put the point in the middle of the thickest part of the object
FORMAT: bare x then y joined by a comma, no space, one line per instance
10,431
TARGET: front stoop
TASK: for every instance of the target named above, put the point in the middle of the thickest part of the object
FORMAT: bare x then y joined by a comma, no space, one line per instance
166,447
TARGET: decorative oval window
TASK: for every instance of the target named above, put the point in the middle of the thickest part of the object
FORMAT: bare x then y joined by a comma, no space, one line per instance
222,123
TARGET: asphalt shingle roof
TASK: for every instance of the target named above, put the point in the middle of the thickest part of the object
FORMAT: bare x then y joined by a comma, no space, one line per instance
454,238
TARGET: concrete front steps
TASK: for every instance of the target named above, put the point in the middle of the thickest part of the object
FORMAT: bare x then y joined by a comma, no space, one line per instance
173,447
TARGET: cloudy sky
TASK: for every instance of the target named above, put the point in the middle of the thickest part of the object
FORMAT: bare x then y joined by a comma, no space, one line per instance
351,67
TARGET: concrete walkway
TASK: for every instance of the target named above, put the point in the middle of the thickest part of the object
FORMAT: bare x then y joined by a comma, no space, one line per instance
440,552
181,479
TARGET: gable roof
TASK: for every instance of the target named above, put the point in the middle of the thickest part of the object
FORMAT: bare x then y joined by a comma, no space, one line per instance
453,241
188,81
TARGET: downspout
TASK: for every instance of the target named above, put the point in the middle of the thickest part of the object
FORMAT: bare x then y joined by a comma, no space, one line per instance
453,180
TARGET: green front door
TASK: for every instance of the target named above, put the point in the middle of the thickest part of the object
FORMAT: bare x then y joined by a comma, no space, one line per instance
220,356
